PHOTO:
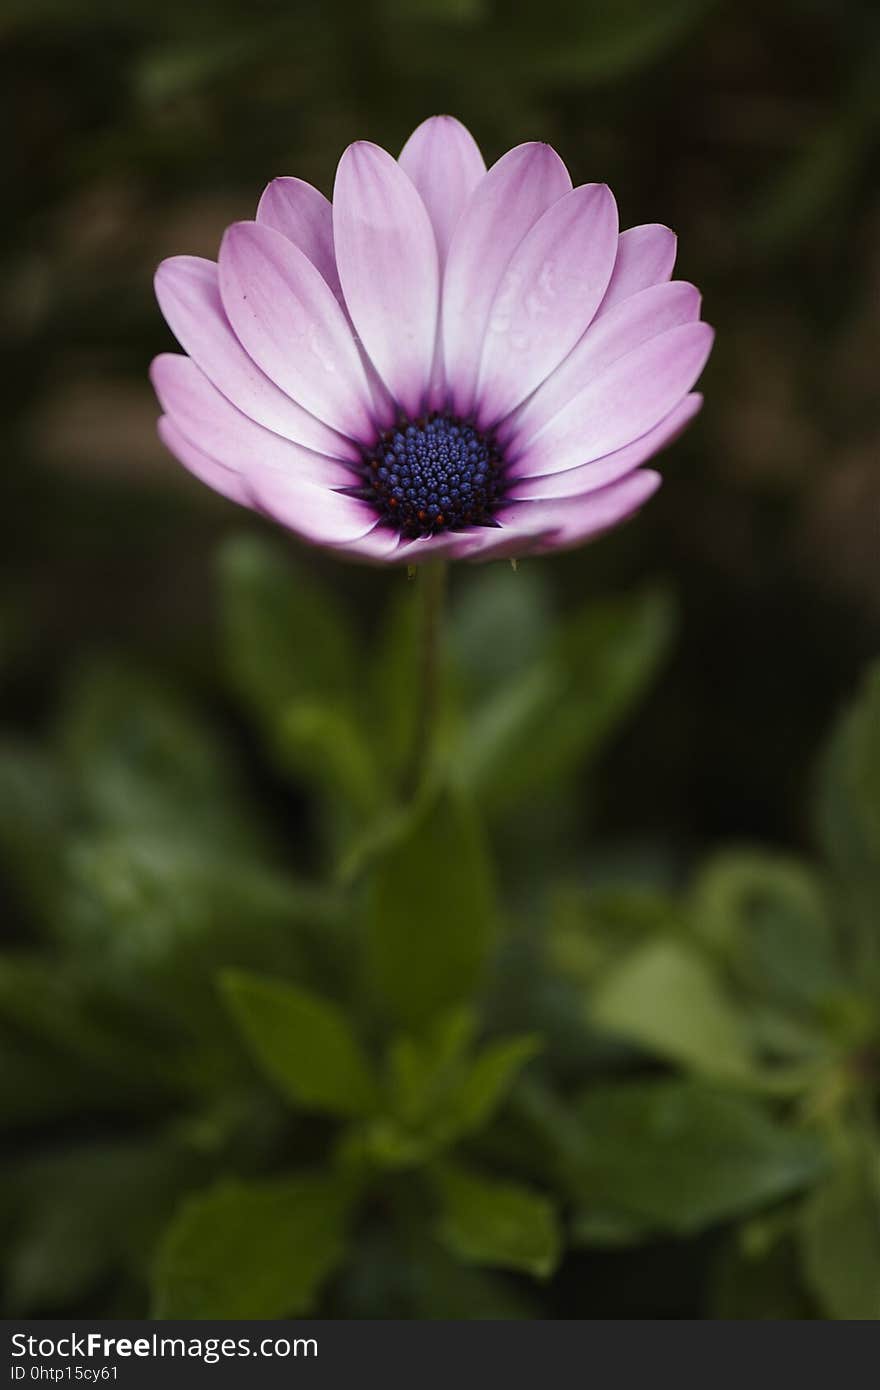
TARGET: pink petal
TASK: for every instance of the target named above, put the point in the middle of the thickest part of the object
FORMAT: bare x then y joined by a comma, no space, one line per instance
447,545
379,546
288,319
479,542
387,259
215,427
189,297
302,214
548,294
561,523
622,403
318,514
586,477
442,159
206,469
444,162
645,256
504,206
632,322
305,217
511,542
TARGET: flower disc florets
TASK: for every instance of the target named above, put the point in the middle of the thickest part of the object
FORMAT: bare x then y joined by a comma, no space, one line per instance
434,474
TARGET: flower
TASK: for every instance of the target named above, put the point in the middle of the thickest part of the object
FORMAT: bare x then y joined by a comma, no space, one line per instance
444,362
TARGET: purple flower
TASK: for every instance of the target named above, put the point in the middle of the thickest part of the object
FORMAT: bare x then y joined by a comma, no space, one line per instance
444,362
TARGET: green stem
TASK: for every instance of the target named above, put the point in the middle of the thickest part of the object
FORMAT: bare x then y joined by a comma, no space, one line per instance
432,586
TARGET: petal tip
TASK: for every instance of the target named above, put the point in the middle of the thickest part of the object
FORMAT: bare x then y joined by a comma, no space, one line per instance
267,195
363,152
158,368
237,232
169,273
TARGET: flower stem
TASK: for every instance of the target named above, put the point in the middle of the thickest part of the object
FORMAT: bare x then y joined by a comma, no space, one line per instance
432,593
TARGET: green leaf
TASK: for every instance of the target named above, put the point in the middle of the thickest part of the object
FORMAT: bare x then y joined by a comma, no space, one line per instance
766,917
408,1275
591,930
496,763
375,839
439,1093
291,658
424,1070
390,687
602,1228
544,724
35,809
848,815
325,745
840,1238
284,638
431,919
496,1223
56,1017
441,1287
488,1080
678,1156
252,1250
147,763
149,903
391,677
666,998
303,1043
88,1212
158,919
499,626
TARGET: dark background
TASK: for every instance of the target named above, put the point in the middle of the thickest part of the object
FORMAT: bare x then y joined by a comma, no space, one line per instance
140,130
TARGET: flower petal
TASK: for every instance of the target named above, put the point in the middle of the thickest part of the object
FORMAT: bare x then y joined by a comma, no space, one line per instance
442,159
446,545
207,470
289,321
586,477
645,256
444,162
379,546
302,214
564,522
318,514
504,206
387,259
634,321
212,425
548,294
622,403
189,297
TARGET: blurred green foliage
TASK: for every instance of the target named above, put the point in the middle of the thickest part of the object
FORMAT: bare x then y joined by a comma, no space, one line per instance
400,1057
592,1029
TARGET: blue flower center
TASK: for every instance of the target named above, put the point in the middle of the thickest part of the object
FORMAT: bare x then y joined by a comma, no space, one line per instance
434,474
